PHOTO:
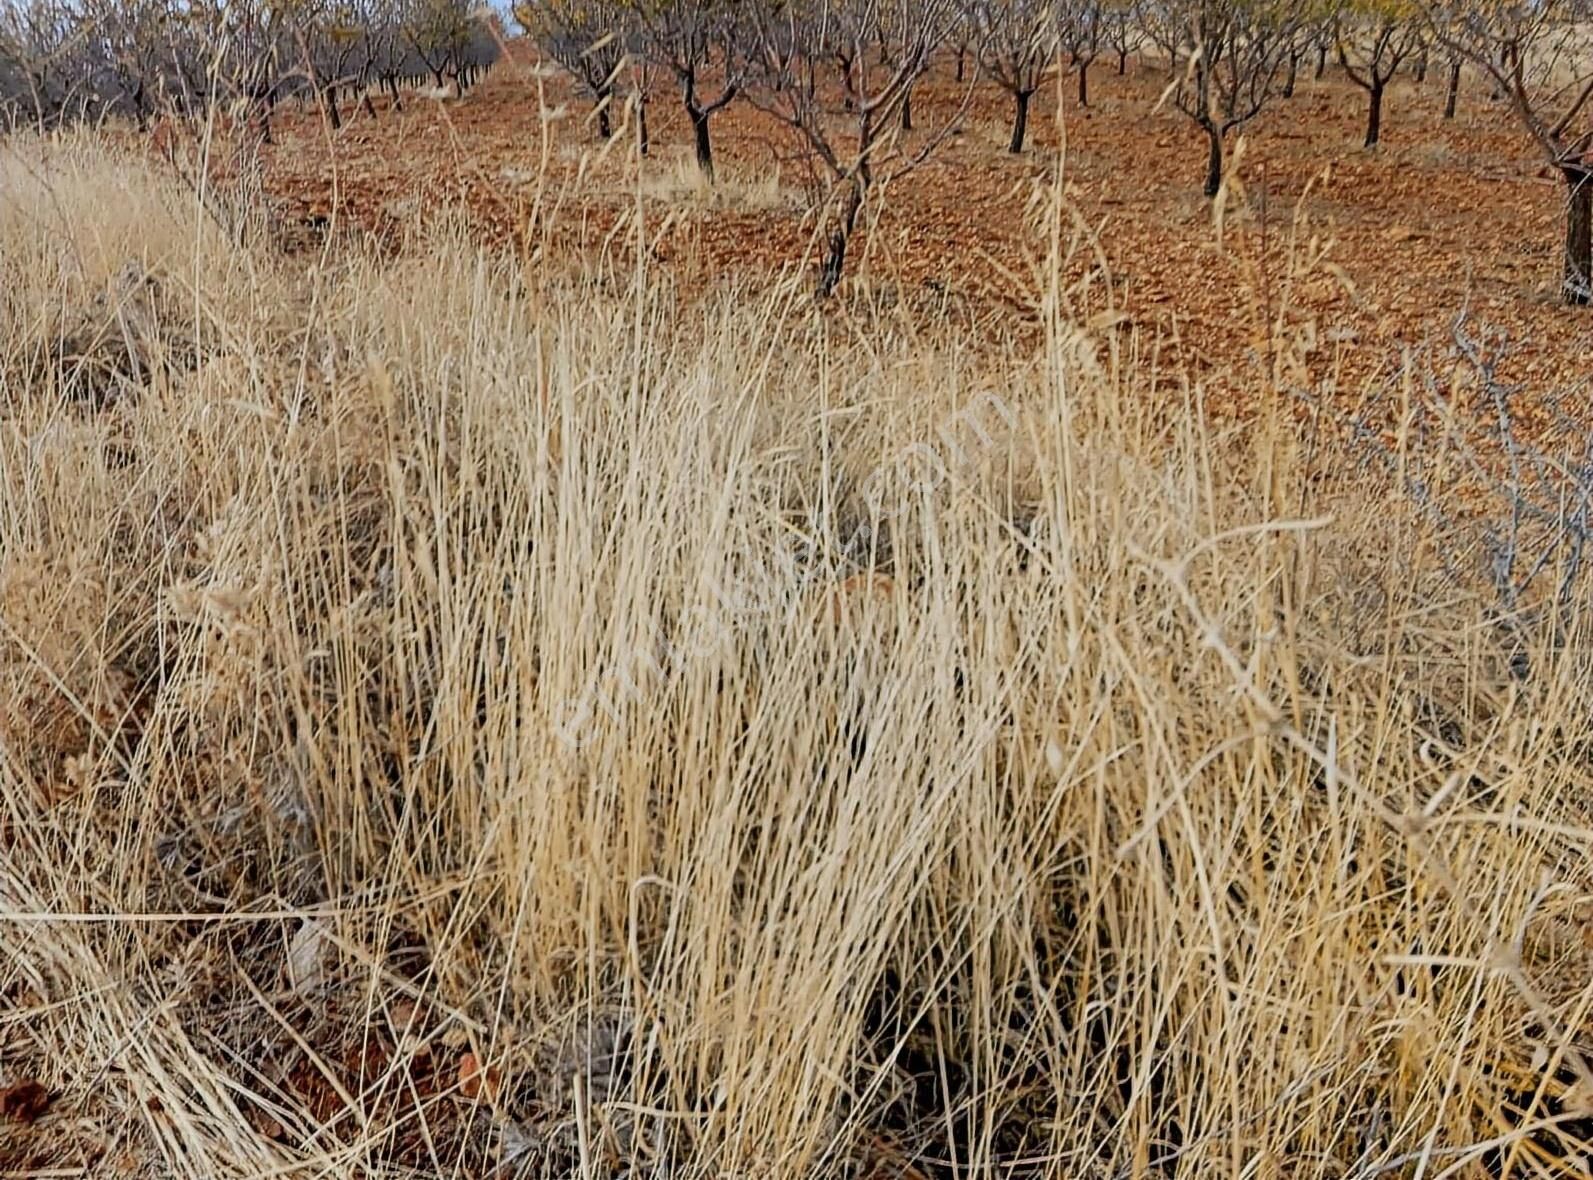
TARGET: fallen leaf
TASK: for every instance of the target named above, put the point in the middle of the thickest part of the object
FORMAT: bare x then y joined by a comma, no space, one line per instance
1054,757
474,1082
24,1102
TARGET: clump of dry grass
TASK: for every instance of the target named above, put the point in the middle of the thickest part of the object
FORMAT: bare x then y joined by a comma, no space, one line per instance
674,178
451,720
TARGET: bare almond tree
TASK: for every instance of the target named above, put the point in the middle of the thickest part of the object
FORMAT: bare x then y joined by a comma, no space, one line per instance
41,61
1373,39
1018,42
588,40
1452,89
1123,21
1229,57
130,37
855,137
260,63
689,38
445,35
381,52
1082,25
1538,56
331,40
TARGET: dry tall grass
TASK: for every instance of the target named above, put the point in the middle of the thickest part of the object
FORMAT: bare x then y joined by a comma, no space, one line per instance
457,722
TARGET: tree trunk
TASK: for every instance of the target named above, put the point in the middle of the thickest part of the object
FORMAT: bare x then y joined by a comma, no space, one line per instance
1122,62
643,135
1578,287
1421,69
392,88
907,109
1321,61
605,126
370,107
1213,161
962,52
1505,62
840,236
329,99
1020,122
705,146
1292,75
1374,116
437,77
1453,96
1084,84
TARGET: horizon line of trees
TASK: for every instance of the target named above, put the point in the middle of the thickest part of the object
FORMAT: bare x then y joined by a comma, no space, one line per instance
838,74
64,60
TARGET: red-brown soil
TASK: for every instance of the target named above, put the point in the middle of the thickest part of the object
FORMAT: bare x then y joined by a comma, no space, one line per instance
1445,216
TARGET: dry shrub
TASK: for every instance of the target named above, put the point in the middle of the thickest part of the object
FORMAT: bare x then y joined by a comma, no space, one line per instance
739,758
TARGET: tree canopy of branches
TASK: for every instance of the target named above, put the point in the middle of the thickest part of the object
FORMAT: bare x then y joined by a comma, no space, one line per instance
48,64
60,58
1083,31
446,35
1123,26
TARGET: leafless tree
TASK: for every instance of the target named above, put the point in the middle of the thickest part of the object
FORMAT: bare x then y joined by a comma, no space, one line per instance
1082,28
1452,89
588,40
857,141
331,39
1229,57
130,37
688,38
1373,41
445,36
381,48
1123,24
41,59
1018,42
1537,54
249,50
